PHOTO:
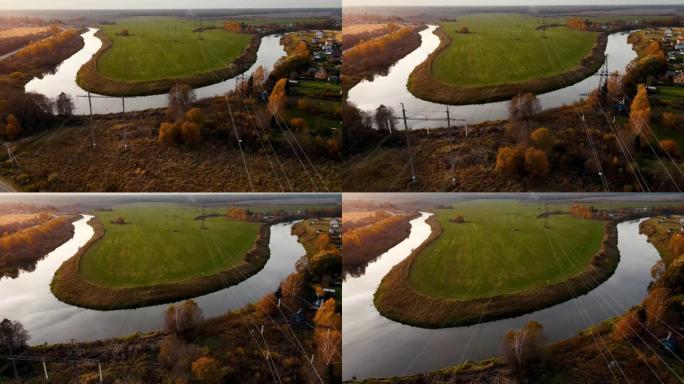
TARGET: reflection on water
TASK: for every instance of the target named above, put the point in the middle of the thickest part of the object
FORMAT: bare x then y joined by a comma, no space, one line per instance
29,299
390,89
64,79
374,346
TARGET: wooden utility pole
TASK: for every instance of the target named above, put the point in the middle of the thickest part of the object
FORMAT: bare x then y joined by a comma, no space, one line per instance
451,150
408,144
123,117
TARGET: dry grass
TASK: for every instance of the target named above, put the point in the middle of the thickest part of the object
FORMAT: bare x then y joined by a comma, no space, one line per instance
22,31
17,218
361,28
348,217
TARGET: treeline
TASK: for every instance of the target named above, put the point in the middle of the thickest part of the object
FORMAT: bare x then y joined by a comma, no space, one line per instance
364,244
377,55
368,220
28,245
351,40
17,226
44,55
13,43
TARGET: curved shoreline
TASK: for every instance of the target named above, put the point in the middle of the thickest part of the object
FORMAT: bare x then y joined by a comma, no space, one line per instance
90,79
424,86
70,287
397,300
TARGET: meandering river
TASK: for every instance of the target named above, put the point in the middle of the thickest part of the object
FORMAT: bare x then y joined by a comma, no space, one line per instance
28,298
64,79
374,346
391,89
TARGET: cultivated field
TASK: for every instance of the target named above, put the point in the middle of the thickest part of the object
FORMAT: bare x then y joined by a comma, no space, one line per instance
361,28
503,247
163,243
163,48
22,31
507,48
17,218
351,216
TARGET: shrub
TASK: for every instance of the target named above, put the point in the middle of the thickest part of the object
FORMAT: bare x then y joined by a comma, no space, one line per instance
536,163
508,160
670,147
168,133
191,133
13,128
541,137
298,124
196,116
206,370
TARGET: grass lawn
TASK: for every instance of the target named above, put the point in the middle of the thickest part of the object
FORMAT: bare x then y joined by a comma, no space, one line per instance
164,48
503,248
162,243
507,48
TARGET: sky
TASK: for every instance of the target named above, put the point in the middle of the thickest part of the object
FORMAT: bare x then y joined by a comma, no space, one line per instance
165,4
347,3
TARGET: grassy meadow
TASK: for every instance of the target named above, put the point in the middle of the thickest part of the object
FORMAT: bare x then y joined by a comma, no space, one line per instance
503,247
507,48
165,47
162,243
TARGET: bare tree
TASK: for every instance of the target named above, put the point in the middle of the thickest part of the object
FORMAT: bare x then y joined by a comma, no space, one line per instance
521,347
524,107
13,336
385,119
180,318
181,96
64,105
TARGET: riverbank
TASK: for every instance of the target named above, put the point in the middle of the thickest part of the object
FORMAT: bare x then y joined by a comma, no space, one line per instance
22,249
358,65
90,78
397,300
425,86
69,285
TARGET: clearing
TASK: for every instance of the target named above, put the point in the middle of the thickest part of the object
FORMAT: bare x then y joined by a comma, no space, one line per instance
163,243
163,48
507,48
503,248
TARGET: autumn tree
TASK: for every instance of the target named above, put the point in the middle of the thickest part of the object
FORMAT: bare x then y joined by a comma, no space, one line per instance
13,127
323,241
676,244
464,30
522,347
628,327
640,112
191,133
508,160
458,219
299,124
325,262
670,147
524,107
655,49
196,116
276,101
536,163
541,137
168,133
291,289
64,105
177,357
13,337
180,318
672,121
657,305
207,370
327,335
268,305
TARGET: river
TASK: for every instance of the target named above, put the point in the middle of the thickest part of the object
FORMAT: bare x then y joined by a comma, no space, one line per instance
28,297
391,89
64,79
374,346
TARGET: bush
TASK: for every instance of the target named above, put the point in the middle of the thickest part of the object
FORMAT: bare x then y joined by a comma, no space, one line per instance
13,128
628,327
670,147
536,163
196,116
541,137
168,133
299,124
508,160
191,133
206,370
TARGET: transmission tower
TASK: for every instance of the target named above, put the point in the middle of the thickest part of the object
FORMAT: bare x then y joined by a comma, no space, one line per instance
604,75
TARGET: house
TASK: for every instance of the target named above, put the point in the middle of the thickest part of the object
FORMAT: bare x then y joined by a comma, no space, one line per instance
319,34
679,79
668,35
334,227
322,74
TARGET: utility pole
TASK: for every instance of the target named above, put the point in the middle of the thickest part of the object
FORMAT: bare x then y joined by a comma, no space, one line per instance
408,144
203,224
451,150
123,117
603,83
543,25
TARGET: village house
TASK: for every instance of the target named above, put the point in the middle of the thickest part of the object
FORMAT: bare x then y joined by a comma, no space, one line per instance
334,227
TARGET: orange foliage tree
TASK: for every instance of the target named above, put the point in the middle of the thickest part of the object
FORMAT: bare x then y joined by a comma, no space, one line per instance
541,137
508,160
536,163
640,113
207,370
276,101
168,133
191,133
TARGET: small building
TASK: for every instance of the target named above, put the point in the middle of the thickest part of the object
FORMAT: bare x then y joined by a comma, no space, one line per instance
679,78
319,34
334,227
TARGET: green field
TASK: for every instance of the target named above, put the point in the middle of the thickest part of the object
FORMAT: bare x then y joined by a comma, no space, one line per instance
165,48
503,248
162,243
507,48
